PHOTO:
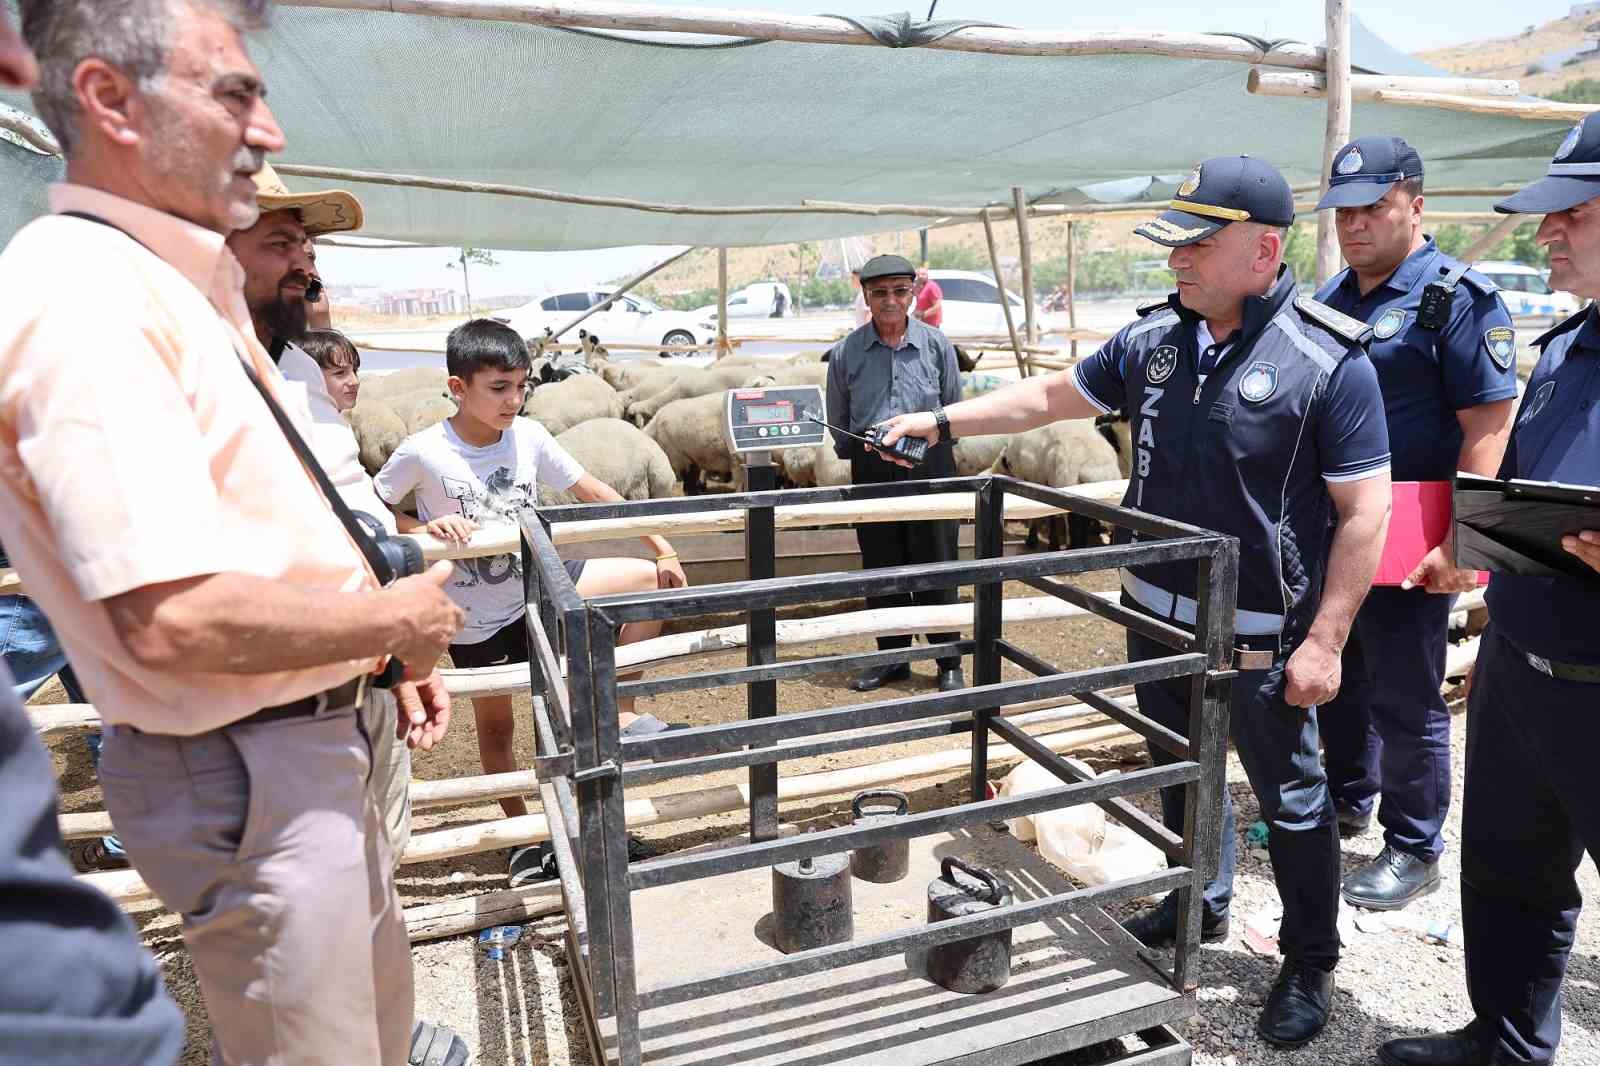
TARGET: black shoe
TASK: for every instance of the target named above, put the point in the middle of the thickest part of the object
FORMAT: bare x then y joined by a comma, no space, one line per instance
1298,1006
1158,927
1461,1048
1352,824
1390,881
879,676
950,679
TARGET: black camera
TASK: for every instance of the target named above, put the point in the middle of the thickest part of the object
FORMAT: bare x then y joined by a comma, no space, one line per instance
314,291
393,559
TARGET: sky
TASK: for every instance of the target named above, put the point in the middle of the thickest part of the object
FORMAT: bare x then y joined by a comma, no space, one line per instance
1409,25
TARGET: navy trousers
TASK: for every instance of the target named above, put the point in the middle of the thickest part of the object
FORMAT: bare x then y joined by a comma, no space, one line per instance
1532,807
1388,730
901,543
1277,744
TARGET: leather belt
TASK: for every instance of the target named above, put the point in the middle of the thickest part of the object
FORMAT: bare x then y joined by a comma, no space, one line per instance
348,694
1559,670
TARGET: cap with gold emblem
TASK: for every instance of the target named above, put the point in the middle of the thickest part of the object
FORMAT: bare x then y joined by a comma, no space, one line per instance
331,211
1232,188
1573,177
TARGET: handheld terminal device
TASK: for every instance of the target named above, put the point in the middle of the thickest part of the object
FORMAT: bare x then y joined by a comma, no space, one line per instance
912,449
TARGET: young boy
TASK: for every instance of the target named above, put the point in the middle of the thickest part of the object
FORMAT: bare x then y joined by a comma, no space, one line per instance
483,465
340,363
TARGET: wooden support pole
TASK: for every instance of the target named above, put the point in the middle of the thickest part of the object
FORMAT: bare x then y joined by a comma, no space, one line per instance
1072,282
1005,301
1314,86
1019,201
722,302
1496,233
1336,133
624,287
1444,94
826,29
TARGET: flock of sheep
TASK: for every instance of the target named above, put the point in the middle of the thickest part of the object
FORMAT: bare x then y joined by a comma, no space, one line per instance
645,428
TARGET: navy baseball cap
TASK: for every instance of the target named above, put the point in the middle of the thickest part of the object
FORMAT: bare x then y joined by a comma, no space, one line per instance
1573,177
1230,188
1367,168
887,266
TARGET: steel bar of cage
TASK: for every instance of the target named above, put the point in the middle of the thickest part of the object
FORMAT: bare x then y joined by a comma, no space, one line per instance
800,963
1143,624
790,669
675,869
1153,731
739,596
697,740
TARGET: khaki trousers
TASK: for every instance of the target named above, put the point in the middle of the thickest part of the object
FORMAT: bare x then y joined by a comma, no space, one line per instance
268,842
391,769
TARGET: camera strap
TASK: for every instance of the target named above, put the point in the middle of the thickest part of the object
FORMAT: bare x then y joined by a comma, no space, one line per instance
352,525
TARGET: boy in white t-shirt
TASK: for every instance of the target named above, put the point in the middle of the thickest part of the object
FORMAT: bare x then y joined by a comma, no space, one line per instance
484,465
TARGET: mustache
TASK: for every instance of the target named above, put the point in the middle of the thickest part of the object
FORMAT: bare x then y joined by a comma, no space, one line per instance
249,160
295,277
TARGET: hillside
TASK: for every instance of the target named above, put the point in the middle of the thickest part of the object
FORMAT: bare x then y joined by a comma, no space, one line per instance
1543,58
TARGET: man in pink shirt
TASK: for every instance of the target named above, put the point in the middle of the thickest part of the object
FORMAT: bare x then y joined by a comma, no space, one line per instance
930,300
216,609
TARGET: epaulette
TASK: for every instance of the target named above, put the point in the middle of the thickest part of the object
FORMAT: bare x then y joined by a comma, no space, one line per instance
1152,308
1336,322
1566,325
1478,283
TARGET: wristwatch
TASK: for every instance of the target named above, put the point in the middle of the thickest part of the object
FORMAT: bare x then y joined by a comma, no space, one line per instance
942,420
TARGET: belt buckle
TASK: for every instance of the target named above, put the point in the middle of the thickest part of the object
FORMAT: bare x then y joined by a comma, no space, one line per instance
1539,663
1248,659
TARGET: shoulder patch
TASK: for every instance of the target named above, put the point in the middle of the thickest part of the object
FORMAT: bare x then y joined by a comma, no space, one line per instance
1564,326
1152,308
1338,323
1156,321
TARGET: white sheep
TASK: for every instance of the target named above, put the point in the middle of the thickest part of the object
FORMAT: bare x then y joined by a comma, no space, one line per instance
378,430
625,376
1059,455
563,404
976,455
620,454
401,382
690,432
642,403
430,412
813,466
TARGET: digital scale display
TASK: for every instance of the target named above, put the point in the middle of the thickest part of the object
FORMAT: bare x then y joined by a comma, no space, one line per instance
774,419
769,412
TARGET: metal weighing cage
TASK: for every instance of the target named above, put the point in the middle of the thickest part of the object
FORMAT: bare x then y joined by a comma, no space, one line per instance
586,769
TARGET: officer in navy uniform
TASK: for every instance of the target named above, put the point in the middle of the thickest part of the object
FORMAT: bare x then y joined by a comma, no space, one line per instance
1446,356
1532,803
1256,413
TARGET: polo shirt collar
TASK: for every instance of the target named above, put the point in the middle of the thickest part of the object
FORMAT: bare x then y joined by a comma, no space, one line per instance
1405,276
1257,310
1588,336
193,251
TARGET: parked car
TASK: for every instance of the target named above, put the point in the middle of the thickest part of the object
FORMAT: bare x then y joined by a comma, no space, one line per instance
763,299
629,320
972,303
1526,292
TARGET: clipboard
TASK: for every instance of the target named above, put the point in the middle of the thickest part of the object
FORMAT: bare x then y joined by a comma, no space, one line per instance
1516,526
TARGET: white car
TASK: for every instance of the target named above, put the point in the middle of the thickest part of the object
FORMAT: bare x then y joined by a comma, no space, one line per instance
1526,292
972,304
763,299
629,320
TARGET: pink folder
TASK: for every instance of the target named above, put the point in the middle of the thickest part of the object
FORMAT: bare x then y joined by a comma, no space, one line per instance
1420,519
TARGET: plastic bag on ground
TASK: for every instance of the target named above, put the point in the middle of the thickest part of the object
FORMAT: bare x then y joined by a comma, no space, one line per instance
1081,840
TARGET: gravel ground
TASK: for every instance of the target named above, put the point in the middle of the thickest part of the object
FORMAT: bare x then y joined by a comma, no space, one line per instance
1390,983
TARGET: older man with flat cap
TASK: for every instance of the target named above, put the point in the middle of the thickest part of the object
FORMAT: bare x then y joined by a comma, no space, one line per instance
1255,413
892,365
1446,357
1532,803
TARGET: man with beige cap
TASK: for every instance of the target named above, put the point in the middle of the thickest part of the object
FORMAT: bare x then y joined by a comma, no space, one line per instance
219,613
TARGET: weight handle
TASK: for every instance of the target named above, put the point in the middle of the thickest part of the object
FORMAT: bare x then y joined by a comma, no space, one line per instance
991,883
901,801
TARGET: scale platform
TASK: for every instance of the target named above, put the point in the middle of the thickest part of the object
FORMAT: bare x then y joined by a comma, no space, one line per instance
1075,981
